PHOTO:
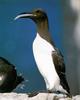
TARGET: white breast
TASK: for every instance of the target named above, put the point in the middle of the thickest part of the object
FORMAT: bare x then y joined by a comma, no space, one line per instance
42,51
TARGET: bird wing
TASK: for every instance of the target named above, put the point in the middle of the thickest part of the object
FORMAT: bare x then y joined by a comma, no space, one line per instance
60,68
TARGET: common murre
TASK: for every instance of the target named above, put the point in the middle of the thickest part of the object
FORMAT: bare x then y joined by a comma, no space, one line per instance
48,58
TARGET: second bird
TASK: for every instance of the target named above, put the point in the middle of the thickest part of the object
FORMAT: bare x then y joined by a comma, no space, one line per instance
9,79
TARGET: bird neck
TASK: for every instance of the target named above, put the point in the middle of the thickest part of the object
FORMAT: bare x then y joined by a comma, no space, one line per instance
43,31
43,27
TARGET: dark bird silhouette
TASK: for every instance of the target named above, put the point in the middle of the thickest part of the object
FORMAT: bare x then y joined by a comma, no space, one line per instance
8,76
48,58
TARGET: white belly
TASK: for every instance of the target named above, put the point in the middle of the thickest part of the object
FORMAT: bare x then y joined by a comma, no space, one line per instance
42,53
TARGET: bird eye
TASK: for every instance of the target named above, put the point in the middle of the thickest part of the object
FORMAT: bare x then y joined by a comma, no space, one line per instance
37,11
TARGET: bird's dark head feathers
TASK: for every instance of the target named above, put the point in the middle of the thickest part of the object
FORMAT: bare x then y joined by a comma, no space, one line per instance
37,15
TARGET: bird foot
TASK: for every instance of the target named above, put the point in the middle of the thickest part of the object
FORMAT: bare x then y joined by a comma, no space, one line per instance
61,97
65,94
61,94
36,93
33,94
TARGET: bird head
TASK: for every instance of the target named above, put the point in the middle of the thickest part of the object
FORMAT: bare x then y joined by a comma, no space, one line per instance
37,15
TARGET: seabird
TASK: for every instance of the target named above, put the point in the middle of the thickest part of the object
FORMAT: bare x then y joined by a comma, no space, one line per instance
8,76
48,58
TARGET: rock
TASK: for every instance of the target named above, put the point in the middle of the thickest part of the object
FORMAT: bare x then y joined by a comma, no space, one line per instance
77,97
40,96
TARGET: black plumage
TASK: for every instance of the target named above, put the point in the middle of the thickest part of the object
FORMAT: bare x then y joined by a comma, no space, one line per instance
60,68
8,76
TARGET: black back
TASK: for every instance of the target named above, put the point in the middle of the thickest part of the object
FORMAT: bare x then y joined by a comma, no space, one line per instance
60,68
9,78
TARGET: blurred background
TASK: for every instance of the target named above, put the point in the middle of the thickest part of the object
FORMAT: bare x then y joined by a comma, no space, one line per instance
16,39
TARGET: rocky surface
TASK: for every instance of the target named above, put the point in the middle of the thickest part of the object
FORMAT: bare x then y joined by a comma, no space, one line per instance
40,96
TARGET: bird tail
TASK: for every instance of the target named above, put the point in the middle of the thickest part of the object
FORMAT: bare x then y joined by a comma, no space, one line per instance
64,83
